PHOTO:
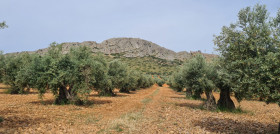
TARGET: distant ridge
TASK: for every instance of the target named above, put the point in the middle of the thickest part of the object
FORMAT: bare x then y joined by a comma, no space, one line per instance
129,47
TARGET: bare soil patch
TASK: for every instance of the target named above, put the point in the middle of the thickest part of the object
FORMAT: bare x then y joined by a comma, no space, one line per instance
152,110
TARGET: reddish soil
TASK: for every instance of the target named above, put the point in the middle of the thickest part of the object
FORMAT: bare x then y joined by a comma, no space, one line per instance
153,110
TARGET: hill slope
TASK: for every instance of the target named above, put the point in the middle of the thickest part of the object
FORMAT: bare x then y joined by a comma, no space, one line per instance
137,53
129,47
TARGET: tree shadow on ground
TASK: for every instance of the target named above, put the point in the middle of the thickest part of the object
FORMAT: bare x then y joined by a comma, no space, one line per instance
178,97
43,102
131,92
181,93
6,92
218,125
12,123
89,103
100,102
118,95
7,111
123,94
190,105
4,88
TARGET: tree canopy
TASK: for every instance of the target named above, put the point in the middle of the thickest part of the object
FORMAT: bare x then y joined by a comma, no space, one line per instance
249,49
3,25
71,77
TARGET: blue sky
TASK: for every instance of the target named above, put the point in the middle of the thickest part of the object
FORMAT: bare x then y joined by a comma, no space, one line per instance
179,25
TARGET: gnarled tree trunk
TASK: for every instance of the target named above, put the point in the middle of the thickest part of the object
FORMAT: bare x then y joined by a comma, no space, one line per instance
67,97
124,90
210,103
197,95
106,92
61,99
225,100
179,89
188,93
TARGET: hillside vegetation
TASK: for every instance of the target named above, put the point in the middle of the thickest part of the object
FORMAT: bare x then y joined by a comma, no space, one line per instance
151,65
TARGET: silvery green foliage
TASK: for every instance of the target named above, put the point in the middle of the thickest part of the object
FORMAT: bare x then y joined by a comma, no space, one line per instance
12,65
194,76
70,77
250,52
159,81
118,73
130,81
176,81
3,25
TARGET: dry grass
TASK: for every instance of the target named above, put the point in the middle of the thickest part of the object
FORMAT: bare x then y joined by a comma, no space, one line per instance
128,123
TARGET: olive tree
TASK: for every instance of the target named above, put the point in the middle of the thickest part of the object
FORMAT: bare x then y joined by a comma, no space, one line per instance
145,81
130,82
118,74
26,75
12,65
249,49
223,81
103,84
159,81
197,77
70,77
192,73
208,84
176,81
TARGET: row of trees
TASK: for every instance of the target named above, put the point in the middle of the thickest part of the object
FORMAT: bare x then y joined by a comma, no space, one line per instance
248,66
199,77
70,77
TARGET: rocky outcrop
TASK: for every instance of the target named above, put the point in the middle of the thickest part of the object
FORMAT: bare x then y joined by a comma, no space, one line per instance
127,47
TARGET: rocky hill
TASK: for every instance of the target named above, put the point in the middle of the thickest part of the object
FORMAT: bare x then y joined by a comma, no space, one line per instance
129,47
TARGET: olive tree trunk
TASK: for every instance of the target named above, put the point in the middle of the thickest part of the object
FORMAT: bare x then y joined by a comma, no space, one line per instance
67,97
197,94
61,98
123,90
210,103
225,100
106,92
188,93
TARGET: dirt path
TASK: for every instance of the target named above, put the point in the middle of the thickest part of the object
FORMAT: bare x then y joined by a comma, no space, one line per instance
153,110
25,113
170,112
